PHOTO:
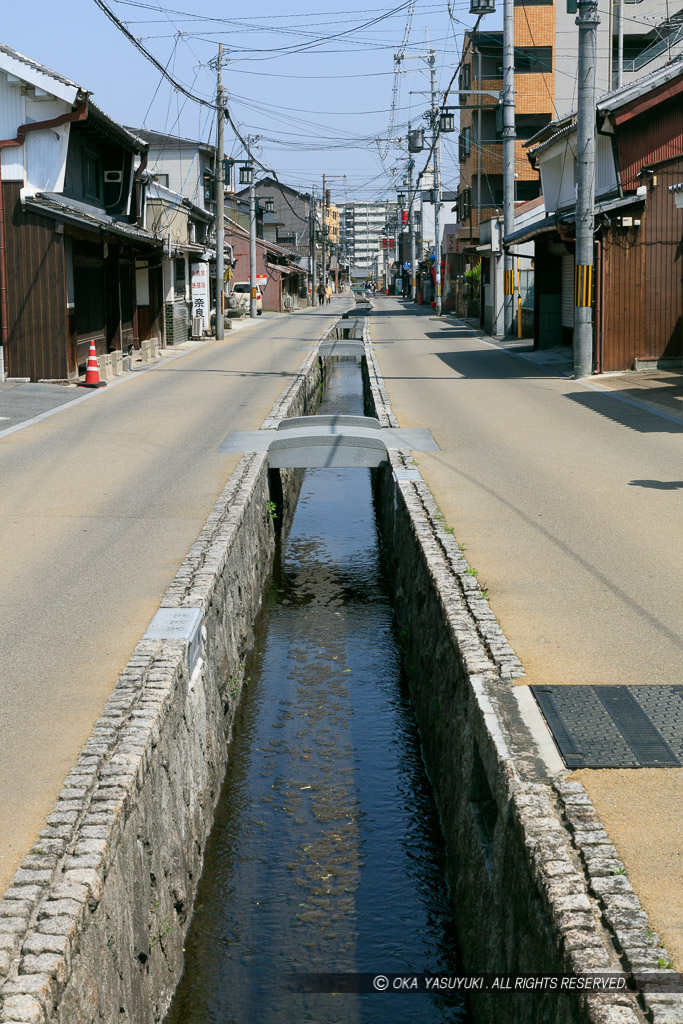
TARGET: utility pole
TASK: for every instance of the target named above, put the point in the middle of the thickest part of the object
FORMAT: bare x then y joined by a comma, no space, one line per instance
311,246
411,228
323,269
479,105
437,179
220,204
314,282
620,43
508,156
253,310
587,21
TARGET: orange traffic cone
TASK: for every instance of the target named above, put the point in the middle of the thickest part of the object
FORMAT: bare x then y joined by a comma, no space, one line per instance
92,371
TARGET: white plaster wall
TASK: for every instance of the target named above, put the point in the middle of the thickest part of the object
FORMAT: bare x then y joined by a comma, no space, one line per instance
12,114
45,150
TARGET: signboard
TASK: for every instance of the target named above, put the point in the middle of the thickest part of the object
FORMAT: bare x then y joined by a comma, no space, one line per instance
452,243
179,624
200,291
406,265
262,280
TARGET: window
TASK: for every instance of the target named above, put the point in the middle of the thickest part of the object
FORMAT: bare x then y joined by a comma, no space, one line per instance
465,80
179,284
162,179
531,60
464,144
534,60
527,125
92,175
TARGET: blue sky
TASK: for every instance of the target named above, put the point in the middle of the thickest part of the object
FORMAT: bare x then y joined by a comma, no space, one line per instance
315,83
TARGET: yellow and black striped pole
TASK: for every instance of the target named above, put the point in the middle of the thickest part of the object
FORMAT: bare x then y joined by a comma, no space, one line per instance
509,282
583,284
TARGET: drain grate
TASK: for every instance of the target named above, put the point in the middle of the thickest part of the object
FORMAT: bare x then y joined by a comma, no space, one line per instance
615,726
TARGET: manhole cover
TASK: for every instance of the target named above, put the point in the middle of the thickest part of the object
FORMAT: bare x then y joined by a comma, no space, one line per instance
615,726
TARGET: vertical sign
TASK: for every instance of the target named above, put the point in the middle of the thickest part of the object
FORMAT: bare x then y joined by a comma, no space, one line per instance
200,292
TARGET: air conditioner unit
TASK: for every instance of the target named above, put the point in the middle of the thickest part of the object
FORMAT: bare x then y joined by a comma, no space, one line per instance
113,177
197,326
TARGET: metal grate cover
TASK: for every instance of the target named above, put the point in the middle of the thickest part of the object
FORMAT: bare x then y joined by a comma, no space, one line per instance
615,726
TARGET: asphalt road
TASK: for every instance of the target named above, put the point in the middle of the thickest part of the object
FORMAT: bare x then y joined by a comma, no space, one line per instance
568,503
99,505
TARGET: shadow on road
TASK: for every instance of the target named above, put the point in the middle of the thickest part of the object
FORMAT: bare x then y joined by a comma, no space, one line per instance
657,485
626,412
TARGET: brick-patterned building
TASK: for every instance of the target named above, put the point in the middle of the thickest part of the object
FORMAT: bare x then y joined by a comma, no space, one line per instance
480,144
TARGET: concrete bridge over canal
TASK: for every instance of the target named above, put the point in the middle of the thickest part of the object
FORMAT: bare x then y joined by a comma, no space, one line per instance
332,442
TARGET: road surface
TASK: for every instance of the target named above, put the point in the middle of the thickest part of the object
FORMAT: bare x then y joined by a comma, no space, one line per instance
98,507
568,503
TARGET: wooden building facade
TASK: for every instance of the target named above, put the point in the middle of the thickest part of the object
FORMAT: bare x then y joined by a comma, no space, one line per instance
71,204
639,317
638,256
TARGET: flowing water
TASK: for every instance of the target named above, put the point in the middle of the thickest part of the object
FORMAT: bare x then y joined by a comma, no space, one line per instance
326,854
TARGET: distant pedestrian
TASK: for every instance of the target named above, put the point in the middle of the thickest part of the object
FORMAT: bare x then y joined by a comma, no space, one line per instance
328,293
374,289
321,293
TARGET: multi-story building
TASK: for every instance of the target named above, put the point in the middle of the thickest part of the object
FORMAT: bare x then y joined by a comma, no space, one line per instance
480,144
180,211
361,228
77,262
331,223
292,211
546,57
651,36
185,166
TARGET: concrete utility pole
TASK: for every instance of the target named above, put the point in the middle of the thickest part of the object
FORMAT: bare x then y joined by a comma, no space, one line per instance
479,105
619,4
311,245
220,204
508,156
253,310
437,180
411,228
588,21
323,269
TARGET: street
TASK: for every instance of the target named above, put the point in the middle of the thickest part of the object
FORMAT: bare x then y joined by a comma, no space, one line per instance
99,505
567,505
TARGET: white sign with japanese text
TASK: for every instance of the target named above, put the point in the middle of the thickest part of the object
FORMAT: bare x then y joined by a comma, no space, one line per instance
200,291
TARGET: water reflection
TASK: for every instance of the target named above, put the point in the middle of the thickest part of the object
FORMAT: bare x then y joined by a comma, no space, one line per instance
326,854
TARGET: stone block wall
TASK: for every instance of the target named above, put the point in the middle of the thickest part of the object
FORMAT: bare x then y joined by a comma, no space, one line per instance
523,902
92,927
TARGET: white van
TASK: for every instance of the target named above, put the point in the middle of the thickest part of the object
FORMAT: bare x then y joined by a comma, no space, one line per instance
242,292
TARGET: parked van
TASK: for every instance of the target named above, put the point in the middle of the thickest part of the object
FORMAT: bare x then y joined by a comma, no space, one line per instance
242,292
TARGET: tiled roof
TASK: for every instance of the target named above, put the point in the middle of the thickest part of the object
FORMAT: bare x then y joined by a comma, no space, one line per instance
36,66
55,205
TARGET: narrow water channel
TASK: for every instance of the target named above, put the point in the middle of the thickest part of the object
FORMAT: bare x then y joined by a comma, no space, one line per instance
326,853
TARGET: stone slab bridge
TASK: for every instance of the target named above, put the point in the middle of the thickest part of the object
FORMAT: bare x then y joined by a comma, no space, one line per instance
331,442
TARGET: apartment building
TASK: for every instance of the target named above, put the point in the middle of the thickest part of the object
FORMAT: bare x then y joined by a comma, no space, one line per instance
361,227
480,144
546,58
651,37
331,223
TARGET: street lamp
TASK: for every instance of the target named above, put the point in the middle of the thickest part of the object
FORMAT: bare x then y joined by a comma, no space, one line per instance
446,121
269,205
482,6
401,198
247,174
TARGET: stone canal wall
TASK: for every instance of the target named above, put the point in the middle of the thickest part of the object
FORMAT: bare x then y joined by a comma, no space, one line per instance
518,885
92,927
